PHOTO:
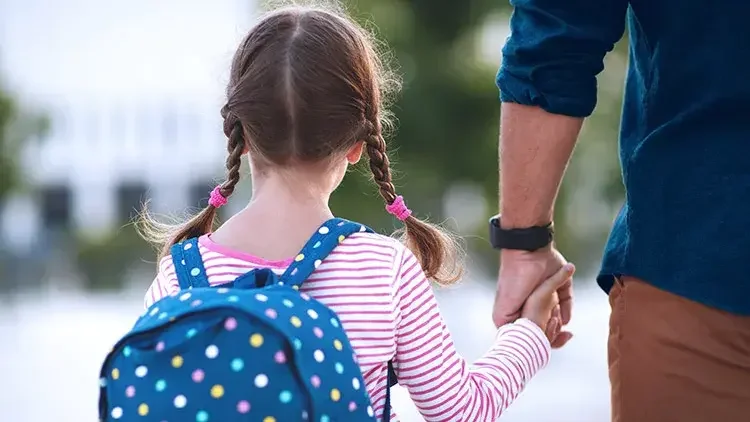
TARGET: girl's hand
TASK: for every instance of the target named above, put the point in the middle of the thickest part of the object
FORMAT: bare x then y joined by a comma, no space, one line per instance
543,300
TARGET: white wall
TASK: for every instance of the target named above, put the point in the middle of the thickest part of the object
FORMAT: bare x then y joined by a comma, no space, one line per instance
111,75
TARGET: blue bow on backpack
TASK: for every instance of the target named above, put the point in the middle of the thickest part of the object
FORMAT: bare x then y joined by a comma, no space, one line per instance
255,279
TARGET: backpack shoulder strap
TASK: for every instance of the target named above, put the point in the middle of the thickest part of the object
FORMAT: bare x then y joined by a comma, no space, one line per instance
325,240
188,264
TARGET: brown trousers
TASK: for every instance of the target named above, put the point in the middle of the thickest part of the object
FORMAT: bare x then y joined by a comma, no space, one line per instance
675,360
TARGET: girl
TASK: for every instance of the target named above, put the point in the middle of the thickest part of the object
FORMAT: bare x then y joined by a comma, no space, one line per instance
305,102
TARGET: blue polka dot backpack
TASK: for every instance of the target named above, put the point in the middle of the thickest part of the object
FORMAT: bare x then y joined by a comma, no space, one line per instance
255,349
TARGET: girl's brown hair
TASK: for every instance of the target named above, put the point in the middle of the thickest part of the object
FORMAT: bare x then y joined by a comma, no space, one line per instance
306,84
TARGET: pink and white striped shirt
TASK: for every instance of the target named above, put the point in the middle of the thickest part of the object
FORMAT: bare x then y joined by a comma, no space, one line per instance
389,312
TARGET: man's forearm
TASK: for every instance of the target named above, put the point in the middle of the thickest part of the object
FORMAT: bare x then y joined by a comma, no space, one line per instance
535,147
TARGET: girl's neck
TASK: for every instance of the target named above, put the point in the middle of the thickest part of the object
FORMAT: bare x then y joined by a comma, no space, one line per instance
277,222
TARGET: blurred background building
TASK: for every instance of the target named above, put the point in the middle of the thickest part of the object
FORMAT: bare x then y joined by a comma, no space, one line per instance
104,105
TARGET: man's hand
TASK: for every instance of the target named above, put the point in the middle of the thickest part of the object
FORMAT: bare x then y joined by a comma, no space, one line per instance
520,273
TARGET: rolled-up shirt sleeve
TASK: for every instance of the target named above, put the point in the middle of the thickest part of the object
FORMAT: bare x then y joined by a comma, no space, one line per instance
555,50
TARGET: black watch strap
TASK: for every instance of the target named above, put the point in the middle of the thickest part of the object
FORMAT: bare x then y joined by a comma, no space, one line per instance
525,239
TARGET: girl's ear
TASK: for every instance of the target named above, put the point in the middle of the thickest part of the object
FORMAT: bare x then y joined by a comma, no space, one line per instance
355,153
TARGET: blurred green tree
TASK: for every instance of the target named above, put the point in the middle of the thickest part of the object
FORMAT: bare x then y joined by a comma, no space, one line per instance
17,126
8,167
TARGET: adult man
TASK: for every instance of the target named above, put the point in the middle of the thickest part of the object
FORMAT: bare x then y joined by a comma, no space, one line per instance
675,263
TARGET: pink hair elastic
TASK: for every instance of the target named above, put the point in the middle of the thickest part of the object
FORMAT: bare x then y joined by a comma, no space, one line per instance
216,199
398,208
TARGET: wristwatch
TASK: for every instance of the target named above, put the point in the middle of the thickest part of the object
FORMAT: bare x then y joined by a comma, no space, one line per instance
524,239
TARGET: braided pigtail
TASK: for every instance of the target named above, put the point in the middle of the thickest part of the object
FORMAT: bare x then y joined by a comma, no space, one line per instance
165,235
438,251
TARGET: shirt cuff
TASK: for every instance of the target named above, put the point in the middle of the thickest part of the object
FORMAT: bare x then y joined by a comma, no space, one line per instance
533,337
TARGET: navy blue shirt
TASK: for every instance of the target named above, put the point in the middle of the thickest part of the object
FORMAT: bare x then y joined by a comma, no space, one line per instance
684,137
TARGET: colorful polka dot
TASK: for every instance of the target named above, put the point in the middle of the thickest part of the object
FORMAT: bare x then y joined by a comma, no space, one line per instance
341,238
352,406
271,313
318,332
338,345
261,380
288,303
324,230
102,382
177,361
180,401
295,321
160,346
217,391
356,384
304,415
256,340
201,416
187,246
198,375
130,391
304,296
116,413
312,314
233,298
185,296
230,324
237,364
299,257
191,333
334,322
339,368
115,374
243,406
143,409
194,272
316,245
319,356
325,418
162,315
126,351
269,419
222,290
279,357
154,311
196,302
212,351
370,412
141,371
261,297
160,385
297,344
315,381
335,394
285,396
317,263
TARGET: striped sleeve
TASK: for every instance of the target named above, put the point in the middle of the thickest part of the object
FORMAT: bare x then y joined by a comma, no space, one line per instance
165,283
442,385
